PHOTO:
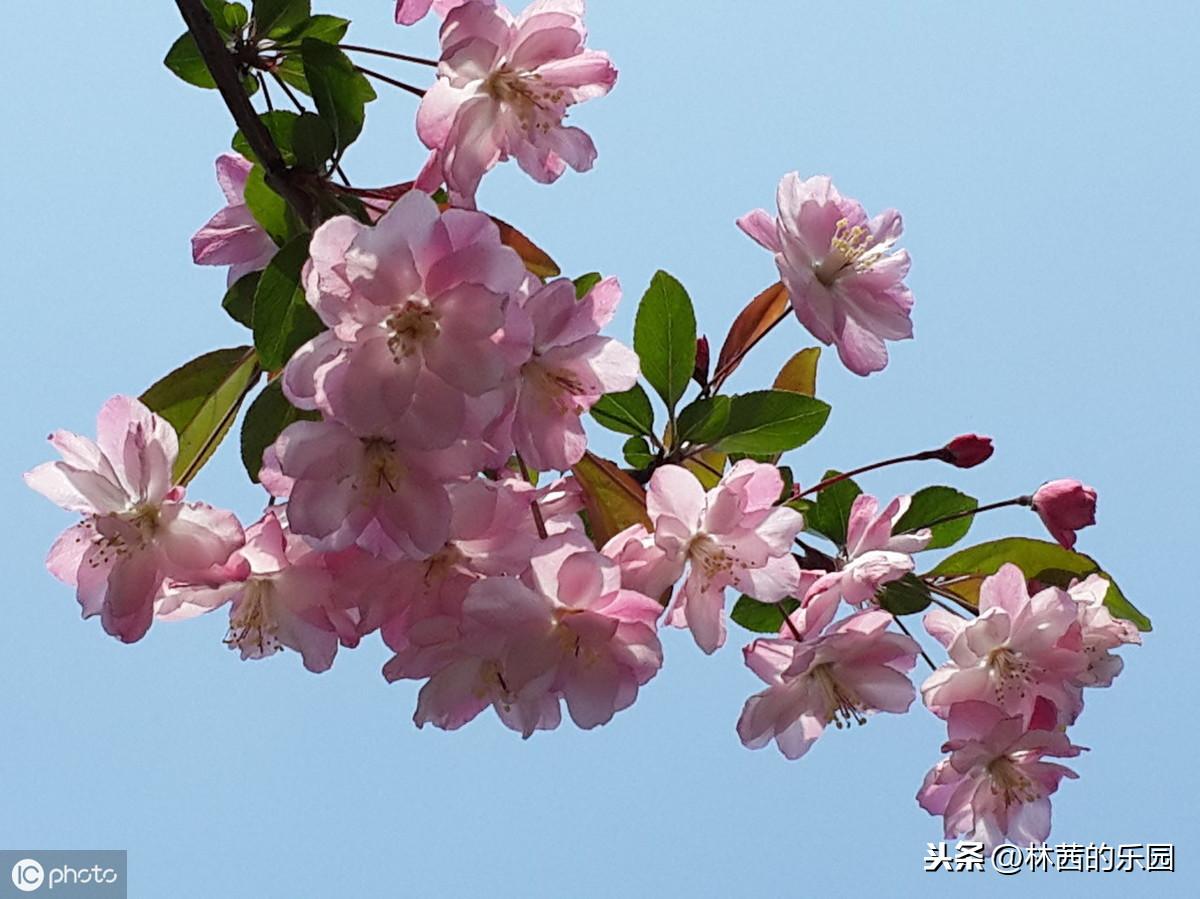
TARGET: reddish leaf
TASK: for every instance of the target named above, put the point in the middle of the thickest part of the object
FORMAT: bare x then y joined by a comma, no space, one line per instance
535,258
613,499
762,314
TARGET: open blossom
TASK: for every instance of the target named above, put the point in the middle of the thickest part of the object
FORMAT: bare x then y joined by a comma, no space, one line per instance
1065,506
732,536
874,555
136,531
416,309
1012,654
645,566
504,86
566,630
280,595
1100,632
853,668
571,367
233,236
343,489
409,12
841,268
995,786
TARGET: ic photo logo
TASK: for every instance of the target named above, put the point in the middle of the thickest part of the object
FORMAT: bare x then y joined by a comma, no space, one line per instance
27,875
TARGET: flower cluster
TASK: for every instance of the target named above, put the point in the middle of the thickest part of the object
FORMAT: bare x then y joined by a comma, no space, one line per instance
430,480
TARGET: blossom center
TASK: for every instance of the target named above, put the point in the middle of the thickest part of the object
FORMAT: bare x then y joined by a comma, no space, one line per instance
381,468
252,626
853,248
537,105
841,706
709,556
559,384
1009,783
1010,673
409,327
116,535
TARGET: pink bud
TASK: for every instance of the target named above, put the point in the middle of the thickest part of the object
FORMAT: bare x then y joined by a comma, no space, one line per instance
967,450
1065,506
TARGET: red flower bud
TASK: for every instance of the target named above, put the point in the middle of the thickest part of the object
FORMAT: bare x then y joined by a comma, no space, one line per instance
1065,506
700,374
967,450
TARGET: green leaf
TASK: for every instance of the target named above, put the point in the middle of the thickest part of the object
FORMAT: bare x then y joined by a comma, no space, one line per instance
283,320
628,412
704,420
799,375
266,418
340,92
637,453
664,337
200,400
330,29
829,513
268,208
905,596
772,421
184,60
933,503
762,617
281,124
239,299
1037,559
313,143
276,18
584,283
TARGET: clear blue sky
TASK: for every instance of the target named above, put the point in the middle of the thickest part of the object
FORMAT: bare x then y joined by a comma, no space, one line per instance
1044,156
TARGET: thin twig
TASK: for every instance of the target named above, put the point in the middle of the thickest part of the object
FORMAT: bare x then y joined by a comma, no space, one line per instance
403,57
392,81
924,655
538,521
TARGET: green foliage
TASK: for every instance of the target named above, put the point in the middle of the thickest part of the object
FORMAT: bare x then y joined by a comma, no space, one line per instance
771,421
628,412
829,513
268,208
664,337
933,503
239,299
637,453
184,60
584,283
1039,559
282,318
906,596
762,617
704,421
266,418
278,18
339,90
200,400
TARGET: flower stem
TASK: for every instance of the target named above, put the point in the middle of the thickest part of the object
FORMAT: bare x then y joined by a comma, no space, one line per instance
403,57
911,457
538,521
907,633
1015,501
392,81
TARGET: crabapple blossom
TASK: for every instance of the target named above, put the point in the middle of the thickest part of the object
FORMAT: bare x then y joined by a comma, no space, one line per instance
233,236
853,668
644,565
565,630
733,536
995,785
1013,654
343,489
407,301
841,269
1100,632
280,595
136,531
571,367
968,450
1065,506
504,86
874,555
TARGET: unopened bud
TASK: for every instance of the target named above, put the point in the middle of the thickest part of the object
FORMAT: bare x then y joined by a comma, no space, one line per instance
967,450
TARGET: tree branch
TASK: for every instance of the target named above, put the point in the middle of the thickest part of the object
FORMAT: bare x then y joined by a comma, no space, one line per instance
224,71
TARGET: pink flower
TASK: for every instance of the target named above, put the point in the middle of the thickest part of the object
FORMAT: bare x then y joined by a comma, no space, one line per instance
1012,654
233,236
409,12
874,556
854,668
373,491
566,630
504,86
995,786
1100,633
136,531
572,366
968,450
416,309
1065,506
644,565
281,596
844,276
733,536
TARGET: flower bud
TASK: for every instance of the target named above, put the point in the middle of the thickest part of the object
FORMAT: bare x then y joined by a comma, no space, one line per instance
700,374
1065,506
967,450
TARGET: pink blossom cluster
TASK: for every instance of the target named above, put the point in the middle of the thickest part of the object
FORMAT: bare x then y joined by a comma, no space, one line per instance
1013,683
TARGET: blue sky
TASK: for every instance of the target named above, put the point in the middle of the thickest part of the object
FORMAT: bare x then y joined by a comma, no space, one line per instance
1044,158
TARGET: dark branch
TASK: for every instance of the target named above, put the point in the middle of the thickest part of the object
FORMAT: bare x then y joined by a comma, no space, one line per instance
224,70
